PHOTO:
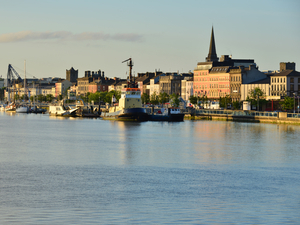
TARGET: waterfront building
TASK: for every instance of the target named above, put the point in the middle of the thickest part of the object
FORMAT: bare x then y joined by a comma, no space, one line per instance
170,84
154,84
100,85
84,82
219,78
118,84
72,75
61,87
187,88
263,85
244,75
143,80
83,85
286,82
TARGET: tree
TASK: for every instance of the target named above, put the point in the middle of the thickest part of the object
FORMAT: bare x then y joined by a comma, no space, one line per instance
108,96
193,100
225,101
287,104
174,98
16,97
163,98
25,97
145,98
154,99
256,97
94,97
236,105
60,97
49,98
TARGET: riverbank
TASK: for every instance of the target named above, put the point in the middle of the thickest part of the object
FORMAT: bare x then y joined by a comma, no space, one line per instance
244,116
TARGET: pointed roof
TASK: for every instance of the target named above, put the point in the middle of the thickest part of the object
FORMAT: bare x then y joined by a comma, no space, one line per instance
212,55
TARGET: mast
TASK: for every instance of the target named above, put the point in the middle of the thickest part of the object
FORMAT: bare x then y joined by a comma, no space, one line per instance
131,83
24,80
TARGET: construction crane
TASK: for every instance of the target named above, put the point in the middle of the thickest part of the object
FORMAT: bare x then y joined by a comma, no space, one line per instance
11,74
131,83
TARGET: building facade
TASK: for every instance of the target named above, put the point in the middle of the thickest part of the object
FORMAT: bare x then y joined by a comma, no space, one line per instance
72,75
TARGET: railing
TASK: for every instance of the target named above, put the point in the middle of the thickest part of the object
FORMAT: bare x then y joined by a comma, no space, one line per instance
236,113
293,115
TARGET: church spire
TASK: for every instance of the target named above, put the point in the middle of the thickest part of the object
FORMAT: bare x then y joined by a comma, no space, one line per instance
212,55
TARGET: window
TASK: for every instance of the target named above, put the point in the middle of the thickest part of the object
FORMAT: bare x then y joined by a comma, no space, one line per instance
292,87
292,80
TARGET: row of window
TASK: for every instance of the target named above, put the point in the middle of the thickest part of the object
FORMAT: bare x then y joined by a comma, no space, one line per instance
201,73
212,86
236,78
278,87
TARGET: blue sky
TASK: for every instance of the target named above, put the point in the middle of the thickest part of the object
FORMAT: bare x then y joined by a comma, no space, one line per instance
170,35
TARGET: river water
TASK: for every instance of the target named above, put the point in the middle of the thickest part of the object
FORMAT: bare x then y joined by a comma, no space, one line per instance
91,171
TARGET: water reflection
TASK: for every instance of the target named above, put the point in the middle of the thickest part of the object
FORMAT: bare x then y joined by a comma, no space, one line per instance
228,142
128,136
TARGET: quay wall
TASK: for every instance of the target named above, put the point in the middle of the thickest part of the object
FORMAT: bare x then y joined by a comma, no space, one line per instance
244,116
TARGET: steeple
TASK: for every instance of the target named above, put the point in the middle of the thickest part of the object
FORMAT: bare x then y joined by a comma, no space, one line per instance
212,55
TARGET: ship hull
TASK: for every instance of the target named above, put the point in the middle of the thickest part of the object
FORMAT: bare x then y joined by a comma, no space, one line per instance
169,118
131,114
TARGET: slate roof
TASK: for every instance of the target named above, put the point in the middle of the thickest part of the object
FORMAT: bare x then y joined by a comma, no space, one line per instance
291,73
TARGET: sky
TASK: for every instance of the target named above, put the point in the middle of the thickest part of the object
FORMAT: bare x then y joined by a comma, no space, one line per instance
166,35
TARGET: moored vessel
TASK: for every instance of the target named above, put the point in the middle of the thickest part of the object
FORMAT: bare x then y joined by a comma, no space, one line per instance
170,114
129,107
62,110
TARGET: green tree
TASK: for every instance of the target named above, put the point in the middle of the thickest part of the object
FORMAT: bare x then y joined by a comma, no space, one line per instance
94,97
193,100
41,98
174,98
60,97
16,97
108,96
225,101
24,97
257,97
287,104
145,98
49,98
163,98
154,99
236,105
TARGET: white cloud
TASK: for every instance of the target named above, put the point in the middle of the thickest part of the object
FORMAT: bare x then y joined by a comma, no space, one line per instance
66,35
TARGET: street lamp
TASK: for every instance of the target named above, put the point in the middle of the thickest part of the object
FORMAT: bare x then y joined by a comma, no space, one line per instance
298,103
294,101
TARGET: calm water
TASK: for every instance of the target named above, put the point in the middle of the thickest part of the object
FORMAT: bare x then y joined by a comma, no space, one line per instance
90,171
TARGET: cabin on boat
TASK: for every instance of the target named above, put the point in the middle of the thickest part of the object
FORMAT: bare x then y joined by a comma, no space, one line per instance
130,98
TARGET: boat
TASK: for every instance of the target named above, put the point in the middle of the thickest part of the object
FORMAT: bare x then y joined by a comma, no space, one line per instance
11,107
86,110
129,107
170,114
2,107
36,110
22,109
62,110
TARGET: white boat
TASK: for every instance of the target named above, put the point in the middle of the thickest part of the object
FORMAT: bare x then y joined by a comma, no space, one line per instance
22,109
61,110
